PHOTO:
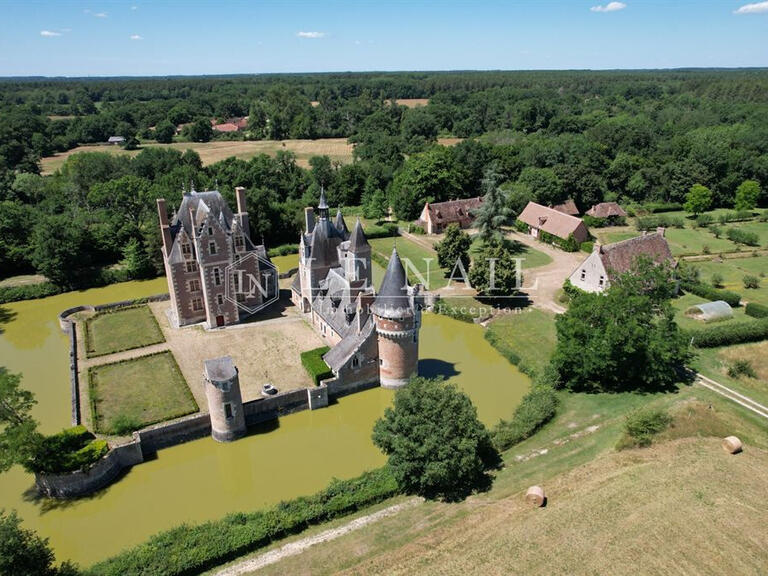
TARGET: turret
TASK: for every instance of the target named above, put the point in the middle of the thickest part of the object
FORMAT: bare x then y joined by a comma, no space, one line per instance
358,264
242,211
225,404
397,315
322,206
162,213
341,226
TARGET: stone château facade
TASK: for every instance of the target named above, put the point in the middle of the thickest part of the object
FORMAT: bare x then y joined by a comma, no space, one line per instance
215,273
373,338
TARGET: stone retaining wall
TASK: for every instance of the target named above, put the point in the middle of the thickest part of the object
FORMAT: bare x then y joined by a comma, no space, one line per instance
169,434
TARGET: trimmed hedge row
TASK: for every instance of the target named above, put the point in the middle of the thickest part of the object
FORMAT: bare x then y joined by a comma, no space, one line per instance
656,207
728,334
188,550
313,362
710,293
664,221
385,230
283,250
742,237
28,292
756,310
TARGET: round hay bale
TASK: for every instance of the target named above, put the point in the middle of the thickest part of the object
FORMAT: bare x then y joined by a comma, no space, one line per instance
535,495
732,445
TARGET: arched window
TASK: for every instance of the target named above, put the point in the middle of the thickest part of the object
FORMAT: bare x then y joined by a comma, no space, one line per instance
355,361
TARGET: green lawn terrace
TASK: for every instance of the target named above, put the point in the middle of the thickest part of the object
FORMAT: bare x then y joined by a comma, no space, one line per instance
733,270
134,393
121,329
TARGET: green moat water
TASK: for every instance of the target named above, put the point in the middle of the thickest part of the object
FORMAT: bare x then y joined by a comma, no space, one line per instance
204,480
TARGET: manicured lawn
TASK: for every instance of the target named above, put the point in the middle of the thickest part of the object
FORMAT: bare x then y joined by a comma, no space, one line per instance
129,395
123,329
529,334
733,271
286,263
684,302
686,241
422,259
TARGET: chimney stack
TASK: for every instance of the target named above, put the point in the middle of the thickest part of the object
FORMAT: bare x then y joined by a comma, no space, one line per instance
596,247
309,219
242,211
661,231
162,213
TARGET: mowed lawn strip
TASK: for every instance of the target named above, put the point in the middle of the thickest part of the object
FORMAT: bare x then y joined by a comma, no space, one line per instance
123,329
138,392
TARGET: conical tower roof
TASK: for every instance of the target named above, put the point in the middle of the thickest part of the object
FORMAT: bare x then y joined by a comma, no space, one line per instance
341,226
357,239
392,300
323,204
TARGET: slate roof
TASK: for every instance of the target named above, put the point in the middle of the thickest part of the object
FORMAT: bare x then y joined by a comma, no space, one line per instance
357,239
553,222
323,242
393,300
606,210
454,211
220,369
202,203
340,354
619,257
340,224
567,207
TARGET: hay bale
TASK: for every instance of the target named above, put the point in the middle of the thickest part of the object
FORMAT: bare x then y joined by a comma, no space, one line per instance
732,445
535,495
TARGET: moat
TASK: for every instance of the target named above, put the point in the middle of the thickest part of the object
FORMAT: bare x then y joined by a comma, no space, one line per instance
205,480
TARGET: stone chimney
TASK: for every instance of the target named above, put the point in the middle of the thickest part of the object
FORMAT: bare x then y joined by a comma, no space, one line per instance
162,213
242,211
597,247
309,219
661,231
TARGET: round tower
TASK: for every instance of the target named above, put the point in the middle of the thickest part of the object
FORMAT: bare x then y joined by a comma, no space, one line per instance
398,320
225,404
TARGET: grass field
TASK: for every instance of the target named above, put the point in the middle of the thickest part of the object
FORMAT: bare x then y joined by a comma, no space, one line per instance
733,271
421,259
135,393
530,334
123,329
714,363
683,303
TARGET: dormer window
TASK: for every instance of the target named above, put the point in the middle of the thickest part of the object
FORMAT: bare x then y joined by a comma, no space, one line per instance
602,280
239,243
355,362
583,275
216,277
210,231
186,250
212,248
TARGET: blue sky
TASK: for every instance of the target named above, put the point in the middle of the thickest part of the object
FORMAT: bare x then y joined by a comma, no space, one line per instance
63,38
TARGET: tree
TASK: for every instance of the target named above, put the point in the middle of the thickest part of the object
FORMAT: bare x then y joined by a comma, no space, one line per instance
493,212
199,131
18,431
436,446
747,195
544,183
698,199
375,205
625,338
136,261
58,250
427,177
495,271
453,248
24,553
164,132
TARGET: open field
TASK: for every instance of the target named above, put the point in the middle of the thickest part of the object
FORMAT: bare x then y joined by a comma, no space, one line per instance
530,334
683,303
124,329
138,392
422,259
714,363
23,280
733,271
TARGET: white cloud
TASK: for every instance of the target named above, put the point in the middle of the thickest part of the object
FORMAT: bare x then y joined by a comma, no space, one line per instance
756,8
311,34
49,33
134,7
101,15
610,7
136,37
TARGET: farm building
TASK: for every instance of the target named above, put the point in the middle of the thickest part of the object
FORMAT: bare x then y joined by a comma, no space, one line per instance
711,311
606,210
567,207
606,262
116,140
436,217
550,221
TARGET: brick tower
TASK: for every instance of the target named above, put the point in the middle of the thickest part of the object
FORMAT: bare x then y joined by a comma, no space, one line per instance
397,314
225,404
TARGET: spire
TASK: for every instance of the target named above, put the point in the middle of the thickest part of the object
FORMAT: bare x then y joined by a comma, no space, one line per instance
341,226
393,301
322,206
357,239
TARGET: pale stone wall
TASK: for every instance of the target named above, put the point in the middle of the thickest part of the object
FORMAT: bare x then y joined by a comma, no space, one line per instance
588,275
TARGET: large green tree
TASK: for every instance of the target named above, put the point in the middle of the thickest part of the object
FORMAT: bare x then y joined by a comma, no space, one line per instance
436,446
625,338
747,195
698,199
495,272
427,177
494,211
24,553
18,430
453,248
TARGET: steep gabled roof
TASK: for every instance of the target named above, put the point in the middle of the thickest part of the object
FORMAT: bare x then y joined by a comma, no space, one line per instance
454,210
393,300
567,207
210,201
324,240
606,210
619,257
550,220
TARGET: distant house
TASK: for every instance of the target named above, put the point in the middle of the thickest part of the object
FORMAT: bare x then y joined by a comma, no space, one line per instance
567,207
225,127
609,261
606,210
116,140
436,217
540,219
231,125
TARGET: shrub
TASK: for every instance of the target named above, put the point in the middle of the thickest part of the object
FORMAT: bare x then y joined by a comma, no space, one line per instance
522,226
313,363
732,333
386,230
28,292
756,310
642,425
587,246
416,229
69,450
536,408
704,220
188,550
283,250
751,282
743,237
716,231
741,368
717,280
656,221
656,207
710,293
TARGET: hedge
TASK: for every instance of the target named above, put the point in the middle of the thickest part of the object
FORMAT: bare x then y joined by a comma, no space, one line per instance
742,237
756,310
28,292
188,550
69,450
656,207
711,293
283,250
727,334
664,221
385,230
313,362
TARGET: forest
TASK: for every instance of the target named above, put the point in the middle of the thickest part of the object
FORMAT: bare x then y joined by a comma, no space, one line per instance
636,137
